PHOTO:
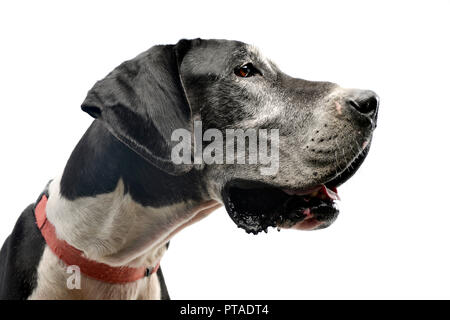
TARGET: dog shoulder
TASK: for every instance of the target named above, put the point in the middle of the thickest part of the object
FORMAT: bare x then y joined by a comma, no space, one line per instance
19,258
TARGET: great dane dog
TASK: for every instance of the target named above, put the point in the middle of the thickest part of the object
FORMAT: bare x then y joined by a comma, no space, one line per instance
110,215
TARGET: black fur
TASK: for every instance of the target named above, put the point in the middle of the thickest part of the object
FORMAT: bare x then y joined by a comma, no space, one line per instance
164,292
100,160
142,102
20,256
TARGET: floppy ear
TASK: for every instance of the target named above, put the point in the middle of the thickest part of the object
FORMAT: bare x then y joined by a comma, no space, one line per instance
142,102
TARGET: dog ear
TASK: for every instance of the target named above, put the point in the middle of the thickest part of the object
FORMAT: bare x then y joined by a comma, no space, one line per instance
143,101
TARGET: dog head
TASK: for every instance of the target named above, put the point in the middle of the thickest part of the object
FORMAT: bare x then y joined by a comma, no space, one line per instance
316,134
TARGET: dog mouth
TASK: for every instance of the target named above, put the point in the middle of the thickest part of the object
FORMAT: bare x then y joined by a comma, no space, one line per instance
256,206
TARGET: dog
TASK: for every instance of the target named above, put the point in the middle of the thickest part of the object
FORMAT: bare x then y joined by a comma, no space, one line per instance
99,230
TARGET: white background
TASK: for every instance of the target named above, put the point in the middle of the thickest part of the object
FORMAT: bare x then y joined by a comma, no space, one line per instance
392,237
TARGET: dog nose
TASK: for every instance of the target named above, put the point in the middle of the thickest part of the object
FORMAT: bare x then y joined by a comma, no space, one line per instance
364,101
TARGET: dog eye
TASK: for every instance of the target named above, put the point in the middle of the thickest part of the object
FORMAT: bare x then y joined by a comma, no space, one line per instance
246,71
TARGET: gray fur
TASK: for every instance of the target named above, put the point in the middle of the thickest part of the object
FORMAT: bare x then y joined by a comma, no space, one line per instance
316,142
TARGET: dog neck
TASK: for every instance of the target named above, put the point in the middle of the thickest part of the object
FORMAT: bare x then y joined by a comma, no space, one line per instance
117,208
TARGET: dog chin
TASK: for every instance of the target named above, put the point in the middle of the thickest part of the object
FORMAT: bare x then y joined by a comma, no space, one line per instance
255,206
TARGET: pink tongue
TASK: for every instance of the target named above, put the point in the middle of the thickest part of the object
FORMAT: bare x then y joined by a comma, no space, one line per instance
330,193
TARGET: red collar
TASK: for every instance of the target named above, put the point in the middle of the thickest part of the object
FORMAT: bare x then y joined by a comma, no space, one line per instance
72,256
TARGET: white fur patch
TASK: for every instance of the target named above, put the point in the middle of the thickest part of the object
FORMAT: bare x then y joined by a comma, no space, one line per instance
114,229
52,280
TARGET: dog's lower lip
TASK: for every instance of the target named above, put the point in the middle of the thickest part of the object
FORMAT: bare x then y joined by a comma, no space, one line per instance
256,209
255,206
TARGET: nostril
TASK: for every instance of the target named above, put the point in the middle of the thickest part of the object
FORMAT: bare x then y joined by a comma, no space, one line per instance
354,104
371,103
365,102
